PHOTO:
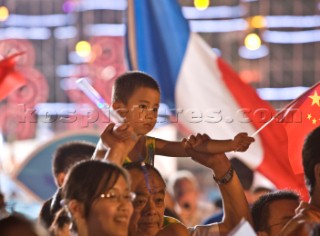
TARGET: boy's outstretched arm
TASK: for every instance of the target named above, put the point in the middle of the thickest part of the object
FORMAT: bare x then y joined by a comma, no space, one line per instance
240,143
170,148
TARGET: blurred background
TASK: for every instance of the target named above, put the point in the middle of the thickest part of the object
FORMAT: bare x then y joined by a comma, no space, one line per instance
273,45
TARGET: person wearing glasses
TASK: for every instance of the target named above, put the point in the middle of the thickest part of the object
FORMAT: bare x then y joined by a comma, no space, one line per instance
148,217
97,195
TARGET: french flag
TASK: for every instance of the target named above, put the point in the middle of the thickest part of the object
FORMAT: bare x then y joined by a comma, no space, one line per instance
207,95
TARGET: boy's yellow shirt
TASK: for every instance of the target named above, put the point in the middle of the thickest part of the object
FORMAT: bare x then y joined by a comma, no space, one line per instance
151,146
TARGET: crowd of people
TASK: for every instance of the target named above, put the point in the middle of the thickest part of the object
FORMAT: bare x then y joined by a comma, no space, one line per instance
112,187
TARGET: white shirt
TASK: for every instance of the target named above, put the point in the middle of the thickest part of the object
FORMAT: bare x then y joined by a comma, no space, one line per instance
204,230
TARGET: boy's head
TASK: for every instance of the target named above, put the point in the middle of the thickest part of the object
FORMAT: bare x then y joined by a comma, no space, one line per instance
136,96
67,155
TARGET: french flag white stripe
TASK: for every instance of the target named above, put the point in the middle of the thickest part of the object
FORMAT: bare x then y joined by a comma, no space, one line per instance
200,91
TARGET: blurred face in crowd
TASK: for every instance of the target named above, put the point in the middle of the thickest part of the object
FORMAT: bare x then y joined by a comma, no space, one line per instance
186,194
147,217
280,212
111,211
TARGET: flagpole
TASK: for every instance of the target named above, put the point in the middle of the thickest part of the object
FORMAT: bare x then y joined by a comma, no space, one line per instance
262,127
283,109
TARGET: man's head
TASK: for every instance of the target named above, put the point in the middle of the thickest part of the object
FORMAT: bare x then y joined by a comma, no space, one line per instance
149,186
311,160
273,210
184,187
67,155
136,96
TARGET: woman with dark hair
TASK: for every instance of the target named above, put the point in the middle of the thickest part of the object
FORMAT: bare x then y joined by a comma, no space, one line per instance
97,195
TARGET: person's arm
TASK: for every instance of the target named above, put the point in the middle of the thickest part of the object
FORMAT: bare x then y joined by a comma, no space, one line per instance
170,148
112,148
235,204
241,142
112,136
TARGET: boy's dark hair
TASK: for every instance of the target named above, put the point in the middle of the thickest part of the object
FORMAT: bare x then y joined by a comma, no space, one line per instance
260,208
127,83
70,153
311,157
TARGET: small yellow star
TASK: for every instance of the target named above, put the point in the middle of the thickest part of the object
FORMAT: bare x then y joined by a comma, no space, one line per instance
309,116
315,99
314,121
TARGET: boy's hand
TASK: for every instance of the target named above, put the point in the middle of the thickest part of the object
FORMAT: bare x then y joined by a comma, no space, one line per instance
241,142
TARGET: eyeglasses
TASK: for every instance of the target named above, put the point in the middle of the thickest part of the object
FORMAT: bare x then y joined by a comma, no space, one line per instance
115,196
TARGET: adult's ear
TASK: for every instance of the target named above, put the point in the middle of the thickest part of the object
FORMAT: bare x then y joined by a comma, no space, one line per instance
76,209
60,178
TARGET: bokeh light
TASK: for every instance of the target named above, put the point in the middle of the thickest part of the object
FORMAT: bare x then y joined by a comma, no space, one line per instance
252,41
4,13
258,22
201,4
83,48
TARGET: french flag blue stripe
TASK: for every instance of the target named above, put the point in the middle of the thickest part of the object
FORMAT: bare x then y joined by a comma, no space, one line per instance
159,52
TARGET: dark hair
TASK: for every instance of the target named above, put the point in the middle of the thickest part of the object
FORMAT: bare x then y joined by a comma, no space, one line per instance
70,153
61,219
127,83
17,224
88,179
245,174
311,157
260,211
145,168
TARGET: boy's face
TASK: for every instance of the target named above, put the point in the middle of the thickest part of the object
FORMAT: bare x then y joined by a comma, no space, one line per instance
142,110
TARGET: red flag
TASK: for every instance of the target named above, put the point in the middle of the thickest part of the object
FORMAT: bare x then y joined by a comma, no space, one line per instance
10,78
300,117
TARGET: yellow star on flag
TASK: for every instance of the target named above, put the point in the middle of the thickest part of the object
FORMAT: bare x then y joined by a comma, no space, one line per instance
315,99
314,121
309,116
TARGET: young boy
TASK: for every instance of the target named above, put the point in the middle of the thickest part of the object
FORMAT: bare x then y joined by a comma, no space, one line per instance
136,97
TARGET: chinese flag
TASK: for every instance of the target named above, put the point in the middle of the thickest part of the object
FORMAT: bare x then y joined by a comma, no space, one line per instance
300,117
10,78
